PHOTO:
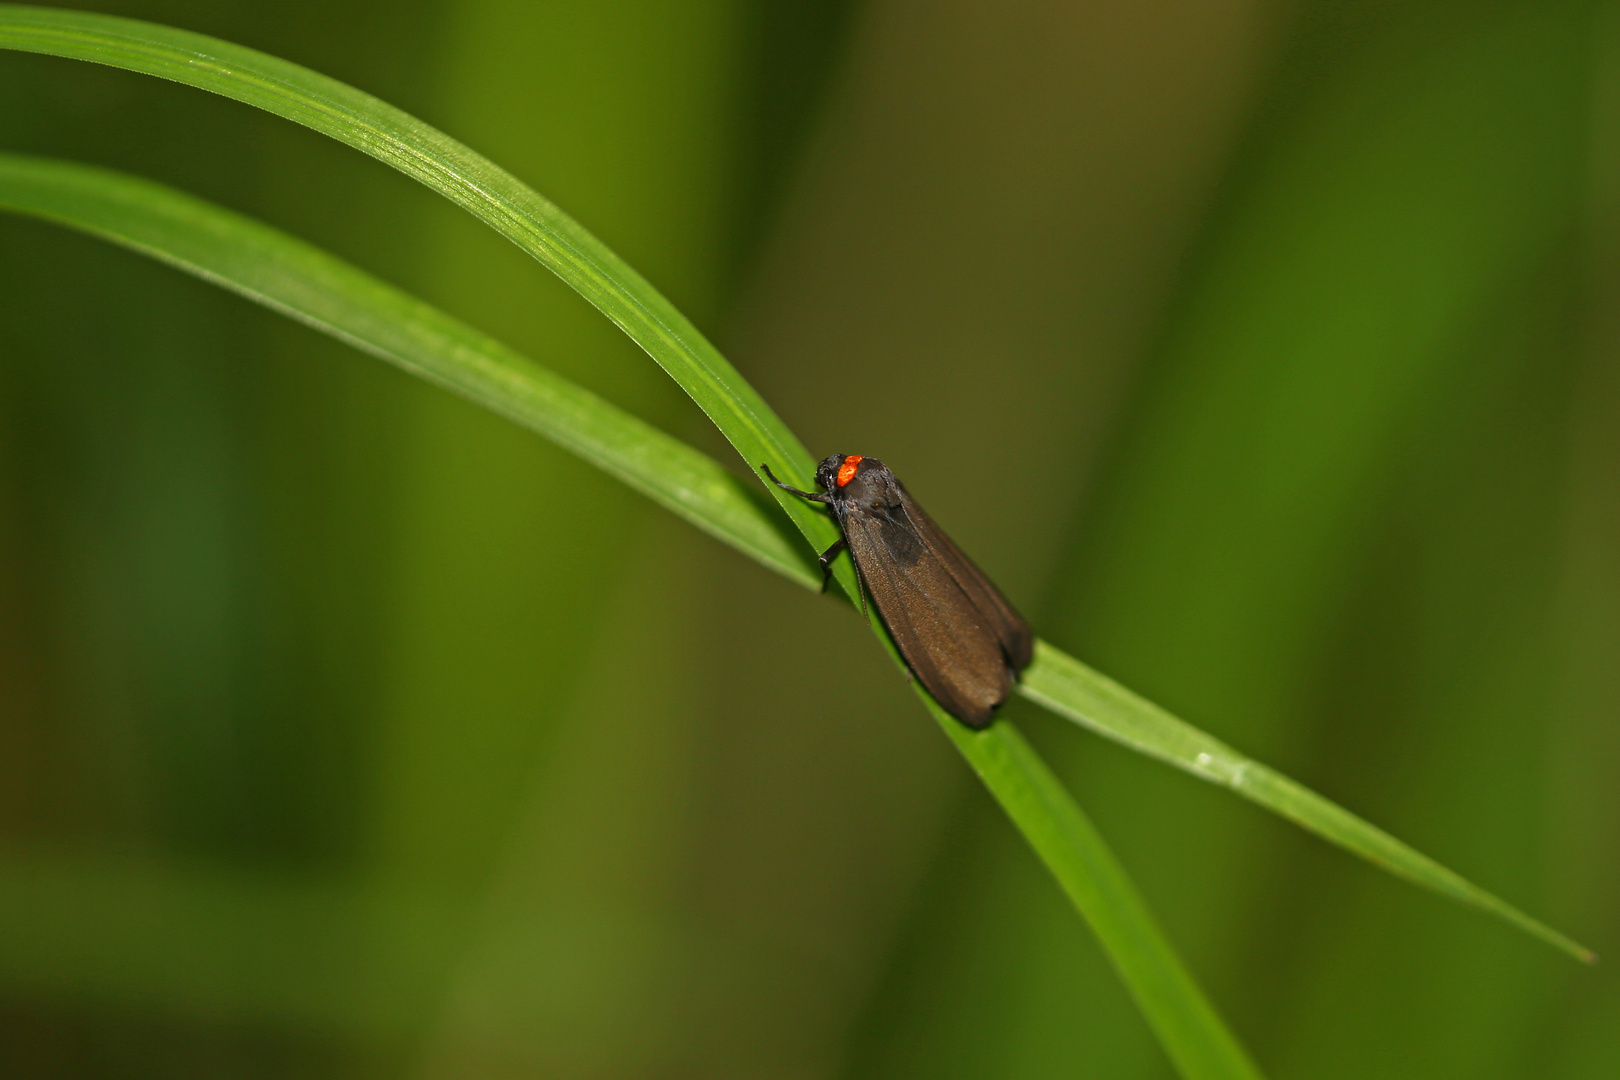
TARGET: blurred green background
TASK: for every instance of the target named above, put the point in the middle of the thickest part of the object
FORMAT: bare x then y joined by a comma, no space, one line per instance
1265,351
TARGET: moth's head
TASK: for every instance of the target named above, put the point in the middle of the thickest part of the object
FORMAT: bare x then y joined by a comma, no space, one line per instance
827,472
852,476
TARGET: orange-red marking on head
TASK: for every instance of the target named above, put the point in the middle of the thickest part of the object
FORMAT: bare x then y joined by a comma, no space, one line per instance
846,471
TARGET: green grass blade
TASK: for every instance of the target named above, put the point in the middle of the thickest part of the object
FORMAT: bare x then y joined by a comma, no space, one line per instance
1066,841
461,175
305,283
1073,690
534,224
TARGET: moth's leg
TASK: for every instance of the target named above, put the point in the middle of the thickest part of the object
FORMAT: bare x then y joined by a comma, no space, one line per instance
801,494
826,563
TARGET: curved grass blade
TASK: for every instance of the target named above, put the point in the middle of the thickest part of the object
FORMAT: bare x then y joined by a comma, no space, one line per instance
301,281
467,179
1070,846
1071,689
534,224
305,283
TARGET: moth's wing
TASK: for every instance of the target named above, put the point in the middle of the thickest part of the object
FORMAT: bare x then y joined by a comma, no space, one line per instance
1016,637
947,641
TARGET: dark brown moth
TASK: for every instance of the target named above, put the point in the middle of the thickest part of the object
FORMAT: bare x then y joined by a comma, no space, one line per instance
958,634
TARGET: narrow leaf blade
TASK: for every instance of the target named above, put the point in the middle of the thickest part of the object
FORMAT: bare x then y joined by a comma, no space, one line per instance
303,282
1073,690
467,179
1186,1024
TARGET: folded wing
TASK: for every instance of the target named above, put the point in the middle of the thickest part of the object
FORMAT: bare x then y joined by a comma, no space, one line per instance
957,634
1016,637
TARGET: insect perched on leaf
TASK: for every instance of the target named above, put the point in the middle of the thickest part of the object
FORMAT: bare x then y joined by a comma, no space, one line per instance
958,634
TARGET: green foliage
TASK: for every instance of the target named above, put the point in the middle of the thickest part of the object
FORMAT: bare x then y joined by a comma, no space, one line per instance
313,287
331,296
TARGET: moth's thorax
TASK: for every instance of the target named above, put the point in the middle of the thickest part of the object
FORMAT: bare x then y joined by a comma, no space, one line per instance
857,481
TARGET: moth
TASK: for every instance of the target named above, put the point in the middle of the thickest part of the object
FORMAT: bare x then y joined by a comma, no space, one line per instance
959,636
